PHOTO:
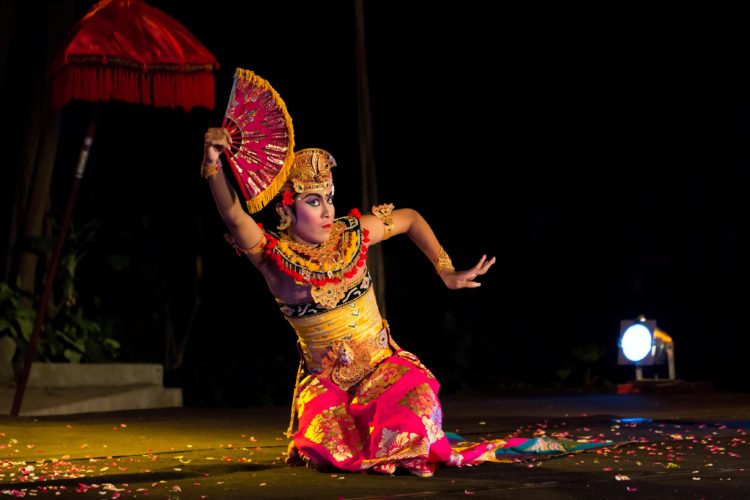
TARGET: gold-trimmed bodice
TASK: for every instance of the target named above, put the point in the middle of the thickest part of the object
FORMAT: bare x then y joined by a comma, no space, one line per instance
346,343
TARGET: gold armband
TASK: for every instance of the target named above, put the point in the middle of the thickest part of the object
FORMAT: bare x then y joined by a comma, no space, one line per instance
253,250
443,262
383,212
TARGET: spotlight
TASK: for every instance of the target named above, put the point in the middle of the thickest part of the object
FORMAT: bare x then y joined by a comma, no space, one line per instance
643,344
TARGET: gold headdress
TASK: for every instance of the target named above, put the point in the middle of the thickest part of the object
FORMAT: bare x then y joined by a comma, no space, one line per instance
311,170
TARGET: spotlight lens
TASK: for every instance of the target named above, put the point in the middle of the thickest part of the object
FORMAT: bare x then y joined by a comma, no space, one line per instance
636,342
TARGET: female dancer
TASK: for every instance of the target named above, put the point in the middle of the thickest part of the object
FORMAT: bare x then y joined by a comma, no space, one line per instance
361,401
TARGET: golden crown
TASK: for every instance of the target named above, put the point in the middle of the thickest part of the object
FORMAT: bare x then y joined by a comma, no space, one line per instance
311,170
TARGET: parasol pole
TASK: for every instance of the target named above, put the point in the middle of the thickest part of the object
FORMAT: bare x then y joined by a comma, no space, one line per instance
41,310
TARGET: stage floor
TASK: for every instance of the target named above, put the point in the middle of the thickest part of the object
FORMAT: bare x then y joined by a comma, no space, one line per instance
684,446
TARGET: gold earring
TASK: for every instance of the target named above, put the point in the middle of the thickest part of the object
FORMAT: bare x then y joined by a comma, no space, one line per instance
285,222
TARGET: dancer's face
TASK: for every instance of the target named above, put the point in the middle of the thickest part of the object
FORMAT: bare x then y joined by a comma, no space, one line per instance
314,217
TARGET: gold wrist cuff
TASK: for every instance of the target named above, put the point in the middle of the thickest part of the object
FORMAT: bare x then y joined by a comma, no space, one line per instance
210,170
383,212
443,262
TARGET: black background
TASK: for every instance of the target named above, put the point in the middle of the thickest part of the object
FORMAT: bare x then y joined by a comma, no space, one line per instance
601,155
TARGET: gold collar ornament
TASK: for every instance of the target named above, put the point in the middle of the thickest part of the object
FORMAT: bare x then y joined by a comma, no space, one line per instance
326,267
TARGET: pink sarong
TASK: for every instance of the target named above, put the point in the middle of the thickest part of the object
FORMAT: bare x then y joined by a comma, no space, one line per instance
391,418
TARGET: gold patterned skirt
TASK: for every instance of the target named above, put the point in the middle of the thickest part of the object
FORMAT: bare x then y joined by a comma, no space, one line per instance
365,403
391,418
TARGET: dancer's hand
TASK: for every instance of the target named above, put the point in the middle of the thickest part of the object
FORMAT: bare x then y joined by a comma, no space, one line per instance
215,141
465,279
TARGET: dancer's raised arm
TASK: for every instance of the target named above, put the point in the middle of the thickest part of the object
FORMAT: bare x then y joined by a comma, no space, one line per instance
248,237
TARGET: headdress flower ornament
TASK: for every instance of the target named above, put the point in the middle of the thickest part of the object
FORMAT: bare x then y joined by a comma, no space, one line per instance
287,197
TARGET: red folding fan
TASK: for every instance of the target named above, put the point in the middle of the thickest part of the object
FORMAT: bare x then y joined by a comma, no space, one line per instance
262,148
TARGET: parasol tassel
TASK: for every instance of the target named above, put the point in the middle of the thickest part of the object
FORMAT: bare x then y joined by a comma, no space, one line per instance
107,83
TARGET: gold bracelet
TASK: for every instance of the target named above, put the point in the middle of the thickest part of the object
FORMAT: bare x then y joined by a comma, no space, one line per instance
383,212
443,262
210,170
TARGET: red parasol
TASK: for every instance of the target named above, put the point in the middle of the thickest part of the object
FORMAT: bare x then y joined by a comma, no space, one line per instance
122,50
128,51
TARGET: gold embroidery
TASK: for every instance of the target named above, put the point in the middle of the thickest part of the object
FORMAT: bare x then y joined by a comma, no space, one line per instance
308,393
434,429
397,445
423,402
393,442
375,385
415,361
335,429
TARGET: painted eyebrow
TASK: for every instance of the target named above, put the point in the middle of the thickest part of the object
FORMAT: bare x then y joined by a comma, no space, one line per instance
312,194
328,195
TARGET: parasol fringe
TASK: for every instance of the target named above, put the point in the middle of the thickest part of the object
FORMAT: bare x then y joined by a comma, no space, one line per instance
112,82
262,199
